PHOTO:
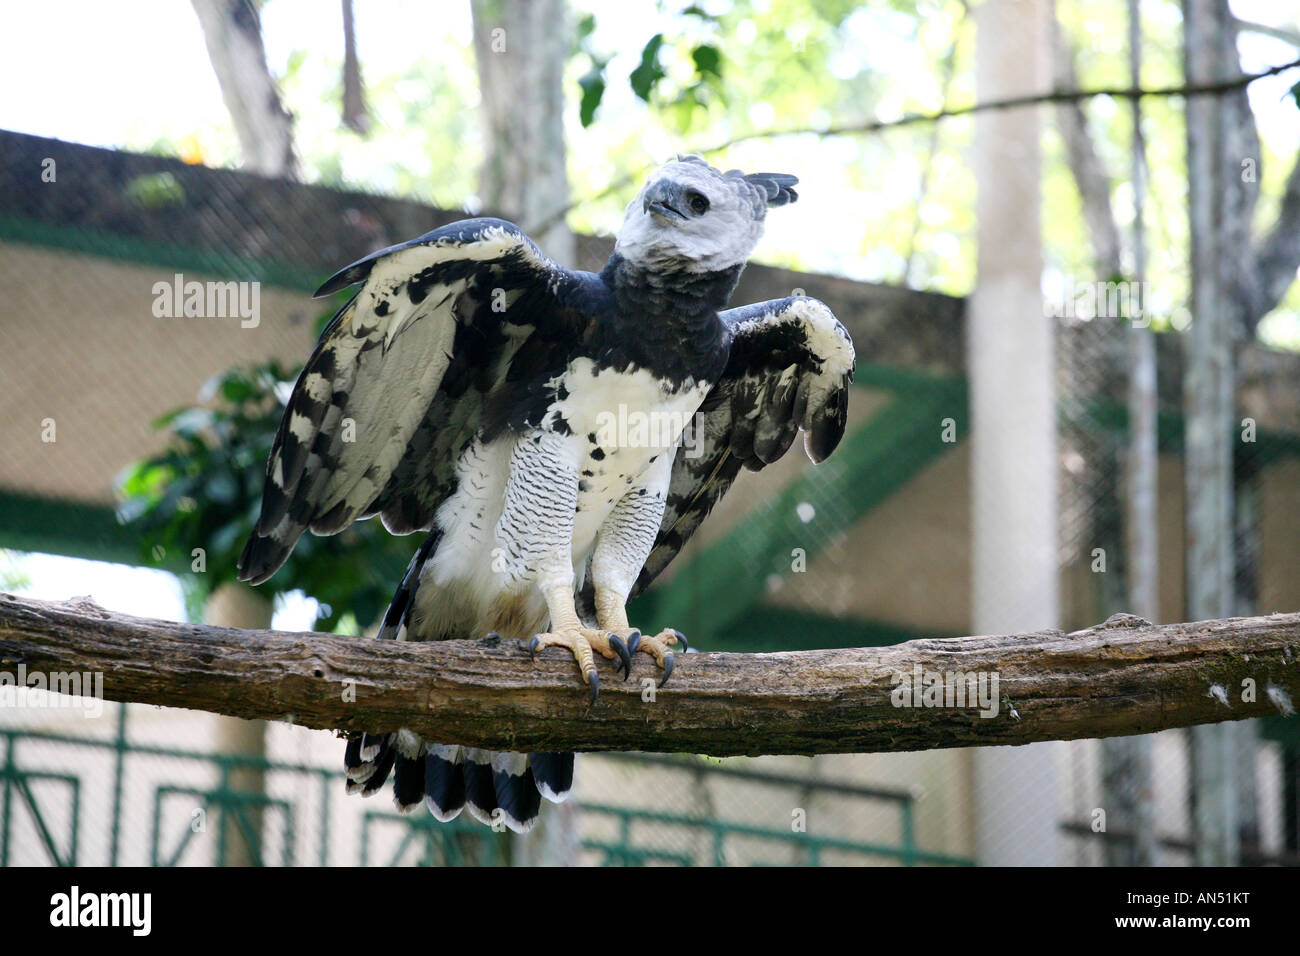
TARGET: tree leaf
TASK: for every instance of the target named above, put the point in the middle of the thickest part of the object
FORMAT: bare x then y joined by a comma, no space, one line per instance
648,72
708,60
695,11
593,89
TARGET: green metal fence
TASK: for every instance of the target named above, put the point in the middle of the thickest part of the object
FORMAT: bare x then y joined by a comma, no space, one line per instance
274,829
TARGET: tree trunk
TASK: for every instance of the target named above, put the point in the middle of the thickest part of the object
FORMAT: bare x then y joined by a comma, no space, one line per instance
520,47
356,116
232,31
1216,203
1127,761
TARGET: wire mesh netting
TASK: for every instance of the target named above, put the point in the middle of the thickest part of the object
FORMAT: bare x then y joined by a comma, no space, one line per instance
871,548
1093,376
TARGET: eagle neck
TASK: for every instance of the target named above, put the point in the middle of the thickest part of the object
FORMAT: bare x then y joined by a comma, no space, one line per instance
669,317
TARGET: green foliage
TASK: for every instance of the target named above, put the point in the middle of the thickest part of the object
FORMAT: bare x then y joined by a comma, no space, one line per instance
593,89
155,191
195,503
13,577
653,69
648,72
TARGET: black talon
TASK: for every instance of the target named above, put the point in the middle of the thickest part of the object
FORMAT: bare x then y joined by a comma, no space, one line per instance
633,641
532,647
595,685
624,655
668,668
681,638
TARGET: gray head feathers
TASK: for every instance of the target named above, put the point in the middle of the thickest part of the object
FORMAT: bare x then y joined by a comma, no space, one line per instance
691,216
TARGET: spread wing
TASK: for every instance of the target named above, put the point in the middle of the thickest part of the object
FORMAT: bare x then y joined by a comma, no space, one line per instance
789,370
399,382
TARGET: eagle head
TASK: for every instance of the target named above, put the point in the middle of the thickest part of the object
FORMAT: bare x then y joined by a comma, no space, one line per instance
692,217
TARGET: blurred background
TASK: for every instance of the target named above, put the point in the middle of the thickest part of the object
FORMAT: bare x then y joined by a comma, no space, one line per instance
1078,390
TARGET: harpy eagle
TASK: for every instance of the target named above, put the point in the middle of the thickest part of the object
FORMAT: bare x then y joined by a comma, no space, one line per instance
558,435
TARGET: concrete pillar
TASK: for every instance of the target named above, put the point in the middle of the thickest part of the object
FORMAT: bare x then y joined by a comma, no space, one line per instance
237,605
1013,417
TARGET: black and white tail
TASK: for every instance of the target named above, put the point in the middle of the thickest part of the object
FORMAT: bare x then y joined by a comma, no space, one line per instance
494,786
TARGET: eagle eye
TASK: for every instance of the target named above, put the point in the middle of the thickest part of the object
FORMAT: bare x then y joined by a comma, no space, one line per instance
698,203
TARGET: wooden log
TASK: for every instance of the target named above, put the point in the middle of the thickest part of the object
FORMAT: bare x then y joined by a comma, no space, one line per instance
1122,677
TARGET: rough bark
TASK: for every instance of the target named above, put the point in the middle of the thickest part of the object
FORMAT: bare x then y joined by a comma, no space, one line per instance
232,31
1217,200
1090,175
1127,761
356,116
1277,252
520,48
1122,677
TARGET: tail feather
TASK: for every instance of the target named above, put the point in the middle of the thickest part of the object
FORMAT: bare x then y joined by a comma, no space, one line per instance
363,757
480,791
371,744
352,755
408,771
494,786
367,776
517,797
408,783
444,784
553,774
399,611
508,787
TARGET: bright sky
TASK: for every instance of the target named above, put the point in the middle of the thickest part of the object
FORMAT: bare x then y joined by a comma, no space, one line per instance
117,80
112,81
108,82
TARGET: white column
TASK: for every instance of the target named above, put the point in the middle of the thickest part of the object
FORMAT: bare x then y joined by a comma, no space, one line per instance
1013,417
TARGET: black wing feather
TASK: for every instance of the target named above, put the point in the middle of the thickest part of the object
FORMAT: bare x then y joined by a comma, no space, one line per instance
789,369
399,381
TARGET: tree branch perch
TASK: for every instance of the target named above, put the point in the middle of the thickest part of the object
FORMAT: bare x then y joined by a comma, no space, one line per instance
1123,677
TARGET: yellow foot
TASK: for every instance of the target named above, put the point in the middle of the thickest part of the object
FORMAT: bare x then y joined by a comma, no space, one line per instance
582,642
659,647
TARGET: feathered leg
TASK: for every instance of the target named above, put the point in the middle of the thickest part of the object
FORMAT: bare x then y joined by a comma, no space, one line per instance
622,547
536,537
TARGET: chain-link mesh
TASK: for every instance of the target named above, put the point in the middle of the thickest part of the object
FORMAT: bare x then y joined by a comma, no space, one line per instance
871,548
1094,444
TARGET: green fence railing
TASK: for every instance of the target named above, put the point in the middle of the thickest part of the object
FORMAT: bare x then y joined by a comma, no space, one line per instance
290,822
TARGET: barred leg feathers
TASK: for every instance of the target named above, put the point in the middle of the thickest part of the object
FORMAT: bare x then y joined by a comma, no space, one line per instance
494,786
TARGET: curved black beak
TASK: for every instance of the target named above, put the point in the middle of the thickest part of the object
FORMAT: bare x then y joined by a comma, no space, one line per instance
660,199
